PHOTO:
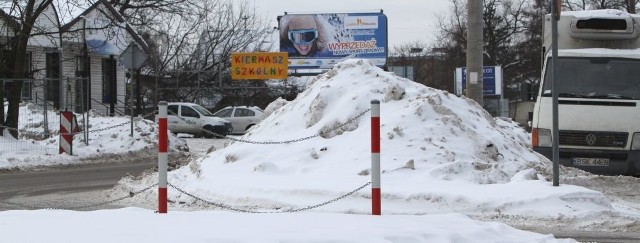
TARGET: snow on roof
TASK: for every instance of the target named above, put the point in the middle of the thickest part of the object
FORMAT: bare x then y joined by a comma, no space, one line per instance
598,13
66,10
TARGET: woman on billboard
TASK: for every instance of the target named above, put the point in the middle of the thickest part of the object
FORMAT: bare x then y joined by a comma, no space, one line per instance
302,36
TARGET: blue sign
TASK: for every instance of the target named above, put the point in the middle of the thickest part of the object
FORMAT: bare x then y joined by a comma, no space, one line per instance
491,80
321,40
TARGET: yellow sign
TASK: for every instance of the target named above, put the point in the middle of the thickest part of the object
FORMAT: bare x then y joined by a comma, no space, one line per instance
259,65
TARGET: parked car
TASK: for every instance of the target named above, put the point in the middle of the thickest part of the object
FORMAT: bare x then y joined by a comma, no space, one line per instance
194,119
241,117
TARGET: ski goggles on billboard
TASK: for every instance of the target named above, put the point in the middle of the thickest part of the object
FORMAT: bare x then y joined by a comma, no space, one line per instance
303,36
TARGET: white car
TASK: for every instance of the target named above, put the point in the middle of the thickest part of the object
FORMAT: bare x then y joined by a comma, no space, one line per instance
194,119
241,117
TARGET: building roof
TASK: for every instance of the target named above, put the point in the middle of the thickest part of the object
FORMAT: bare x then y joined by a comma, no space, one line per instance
8,19
72,14
118,17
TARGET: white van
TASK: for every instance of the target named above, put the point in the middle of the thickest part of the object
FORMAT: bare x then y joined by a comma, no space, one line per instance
598,91
194,119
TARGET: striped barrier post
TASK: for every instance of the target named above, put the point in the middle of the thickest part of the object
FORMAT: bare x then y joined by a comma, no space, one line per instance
376,206
162,156
66,132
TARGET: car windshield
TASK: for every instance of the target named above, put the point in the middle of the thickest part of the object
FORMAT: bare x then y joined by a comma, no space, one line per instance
202,110
595,78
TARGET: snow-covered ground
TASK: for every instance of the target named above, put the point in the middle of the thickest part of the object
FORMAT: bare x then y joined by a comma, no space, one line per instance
448,169
107,135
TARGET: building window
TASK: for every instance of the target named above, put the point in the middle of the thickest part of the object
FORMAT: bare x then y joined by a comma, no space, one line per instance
27,85
53,78
109,84
82,86
82,66
403,71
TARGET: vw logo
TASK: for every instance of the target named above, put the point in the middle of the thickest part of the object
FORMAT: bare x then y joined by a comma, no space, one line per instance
591,139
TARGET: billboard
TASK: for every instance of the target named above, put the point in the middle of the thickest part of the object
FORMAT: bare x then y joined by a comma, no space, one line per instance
319,41
491,80
259,65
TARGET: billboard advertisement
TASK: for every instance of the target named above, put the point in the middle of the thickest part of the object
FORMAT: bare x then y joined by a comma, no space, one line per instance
491,80
319,41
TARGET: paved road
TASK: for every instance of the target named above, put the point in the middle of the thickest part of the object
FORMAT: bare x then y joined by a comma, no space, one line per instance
73,186
84,185
596,236
33,188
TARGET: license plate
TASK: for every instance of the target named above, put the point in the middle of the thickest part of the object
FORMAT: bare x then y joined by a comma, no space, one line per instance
590,161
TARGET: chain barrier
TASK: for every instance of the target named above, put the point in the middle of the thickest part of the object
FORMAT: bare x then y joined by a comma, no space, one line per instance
137,118
293,140
220,205
295,210
131,194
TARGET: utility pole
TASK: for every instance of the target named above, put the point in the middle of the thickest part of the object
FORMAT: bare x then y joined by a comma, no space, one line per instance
475,51
555,133
631,6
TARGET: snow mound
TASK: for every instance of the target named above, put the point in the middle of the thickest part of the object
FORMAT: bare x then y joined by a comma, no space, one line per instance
439,153
445,136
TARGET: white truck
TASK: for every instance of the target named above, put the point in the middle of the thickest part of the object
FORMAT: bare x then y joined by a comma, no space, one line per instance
598,87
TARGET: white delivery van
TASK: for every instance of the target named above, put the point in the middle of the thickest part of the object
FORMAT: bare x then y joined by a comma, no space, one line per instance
598,91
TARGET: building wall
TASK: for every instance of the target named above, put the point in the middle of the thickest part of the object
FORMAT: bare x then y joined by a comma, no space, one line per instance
90,27
72,47
520,111
47,22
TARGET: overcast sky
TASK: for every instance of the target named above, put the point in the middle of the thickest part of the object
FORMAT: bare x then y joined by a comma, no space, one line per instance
409,20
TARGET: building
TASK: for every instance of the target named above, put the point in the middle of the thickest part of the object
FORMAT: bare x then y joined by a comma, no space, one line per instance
423,67
72,57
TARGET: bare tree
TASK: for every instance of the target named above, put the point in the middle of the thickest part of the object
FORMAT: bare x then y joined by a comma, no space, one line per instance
21,21
507,41
192,42
576,5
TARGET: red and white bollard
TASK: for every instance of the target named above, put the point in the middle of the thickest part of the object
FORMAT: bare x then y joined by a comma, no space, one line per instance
163,146
376,205
67,128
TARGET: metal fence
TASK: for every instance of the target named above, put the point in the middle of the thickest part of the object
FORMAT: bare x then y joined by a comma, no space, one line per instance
39,111
36,125
349,191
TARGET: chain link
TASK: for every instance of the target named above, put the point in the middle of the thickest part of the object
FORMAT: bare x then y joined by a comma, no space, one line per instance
227,207
138,118
221,205
271,142
131,194
295,140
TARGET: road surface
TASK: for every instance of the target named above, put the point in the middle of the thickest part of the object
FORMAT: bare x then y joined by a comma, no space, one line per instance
77,186
49,188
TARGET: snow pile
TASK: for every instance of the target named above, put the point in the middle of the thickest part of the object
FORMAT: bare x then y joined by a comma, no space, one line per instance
440,154
135,225
107,136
